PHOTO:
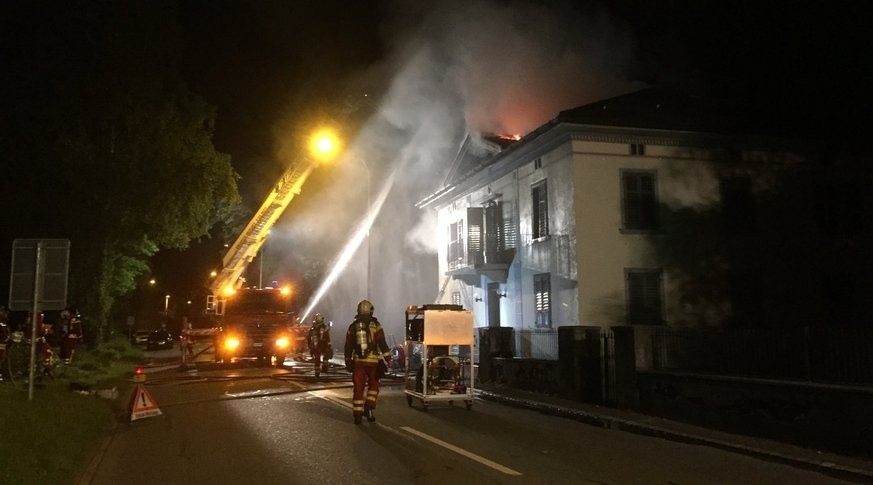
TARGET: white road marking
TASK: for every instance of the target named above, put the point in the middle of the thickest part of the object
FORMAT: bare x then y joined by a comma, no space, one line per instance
461,451
327,396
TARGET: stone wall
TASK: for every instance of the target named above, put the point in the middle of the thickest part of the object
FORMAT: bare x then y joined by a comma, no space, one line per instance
831,417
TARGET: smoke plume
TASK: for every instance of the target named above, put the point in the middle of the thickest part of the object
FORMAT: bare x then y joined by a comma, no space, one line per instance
462,67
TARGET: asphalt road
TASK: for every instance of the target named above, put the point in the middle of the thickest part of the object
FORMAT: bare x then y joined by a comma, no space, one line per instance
249,424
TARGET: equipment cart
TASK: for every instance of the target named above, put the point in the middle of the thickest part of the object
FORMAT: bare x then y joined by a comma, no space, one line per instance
439,353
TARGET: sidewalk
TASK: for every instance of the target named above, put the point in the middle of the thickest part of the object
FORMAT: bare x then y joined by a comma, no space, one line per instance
846,468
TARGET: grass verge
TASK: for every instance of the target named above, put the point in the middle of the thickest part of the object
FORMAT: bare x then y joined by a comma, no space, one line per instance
51,438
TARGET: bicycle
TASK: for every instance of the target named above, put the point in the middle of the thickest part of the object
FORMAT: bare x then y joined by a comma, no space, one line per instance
17,358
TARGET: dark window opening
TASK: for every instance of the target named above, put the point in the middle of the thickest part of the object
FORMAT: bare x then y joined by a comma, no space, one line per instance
639,201
747,304
840,208
644,295
842,299
456,253
637,149
493,304
738,205
475,236
539,201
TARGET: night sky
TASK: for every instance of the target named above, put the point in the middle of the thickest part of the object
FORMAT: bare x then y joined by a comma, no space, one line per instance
272,63
445,68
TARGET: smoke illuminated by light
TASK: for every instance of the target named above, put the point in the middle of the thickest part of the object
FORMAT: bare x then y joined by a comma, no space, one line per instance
437,86
351,246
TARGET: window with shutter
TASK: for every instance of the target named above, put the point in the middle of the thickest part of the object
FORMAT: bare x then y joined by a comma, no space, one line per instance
455,252
475,236
543,300
644,297
494,235
540,209
639,200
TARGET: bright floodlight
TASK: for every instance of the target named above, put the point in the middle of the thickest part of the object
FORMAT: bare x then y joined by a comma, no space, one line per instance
324,145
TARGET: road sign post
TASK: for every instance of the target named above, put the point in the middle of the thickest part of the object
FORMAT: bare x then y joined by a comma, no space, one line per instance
38,281
39,274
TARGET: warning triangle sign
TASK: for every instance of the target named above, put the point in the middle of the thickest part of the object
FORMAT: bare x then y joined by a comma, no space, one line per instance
144,405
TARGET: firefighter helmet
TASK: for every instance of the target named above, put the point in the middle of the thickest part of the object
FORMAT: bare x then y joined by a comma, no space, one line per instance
318,319
65,313
365,308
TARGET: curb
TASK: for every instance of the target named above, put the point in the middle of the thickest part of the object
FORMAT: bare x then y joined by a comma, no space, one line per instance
825,467
87,475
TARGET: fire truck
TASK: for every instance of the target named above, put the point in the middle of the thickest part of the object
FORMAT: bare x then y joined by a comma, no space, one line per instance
257,322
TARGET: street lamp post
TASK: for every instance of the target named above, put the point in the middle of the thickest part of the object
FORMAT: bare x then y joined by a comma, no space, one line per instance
366,214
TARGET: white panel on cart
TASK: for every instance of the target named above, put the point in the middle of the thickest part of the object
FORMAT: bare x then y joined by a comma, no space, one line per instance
448,327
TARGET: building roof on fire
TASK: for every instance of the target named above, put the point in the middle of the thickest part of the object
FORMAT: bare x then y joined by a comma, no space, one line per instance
475,153
650,108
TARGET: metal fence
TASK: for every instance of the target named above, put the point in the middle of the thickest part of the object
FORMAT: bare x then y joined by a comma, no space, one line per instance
537,344
818,354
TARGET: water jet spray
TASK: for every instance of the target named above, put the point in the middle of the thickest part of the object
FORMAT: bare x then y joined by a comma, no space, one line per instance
351,246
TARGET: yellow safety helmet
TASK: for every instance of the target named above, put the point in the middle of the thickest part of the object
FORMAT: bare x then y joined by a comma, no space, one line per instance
365,308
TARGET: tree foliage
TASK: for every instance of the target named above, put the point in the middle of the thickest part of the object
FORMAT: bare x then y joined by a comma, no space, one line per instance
103,142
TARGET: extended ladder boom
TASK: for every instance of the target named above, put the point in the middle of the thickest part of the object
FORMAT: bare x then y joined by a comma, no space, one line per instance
249,242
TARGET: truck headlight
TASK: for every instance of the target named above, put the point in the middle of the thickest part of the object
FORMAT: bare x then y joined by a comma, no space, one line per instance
282,342
231,343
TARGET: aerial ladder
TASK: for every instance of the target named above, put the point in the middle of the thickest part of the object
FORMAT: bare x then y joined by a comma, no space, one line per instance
250,240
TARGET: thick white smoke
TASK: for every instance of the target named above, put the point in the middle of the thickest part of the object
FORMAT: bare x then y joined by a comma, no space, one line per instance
461,67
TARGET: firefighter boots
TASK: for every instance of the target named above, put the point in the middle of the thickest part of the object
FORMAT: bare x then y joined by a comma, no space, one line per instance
370,414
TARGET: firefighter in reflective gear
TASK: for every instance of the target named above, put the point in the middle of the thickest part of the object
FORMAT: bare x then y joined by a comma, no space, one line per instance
365,351
43,349
5,334
188,337
318,341
71,333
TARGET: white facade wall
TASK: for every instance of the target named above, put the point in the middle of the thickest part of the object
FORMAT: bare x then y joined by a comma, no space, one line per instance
588,251
604,250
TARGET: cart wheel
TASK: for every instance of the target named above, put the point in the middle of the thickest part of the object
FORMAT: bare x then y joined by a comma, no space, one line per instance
469,404
409,401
